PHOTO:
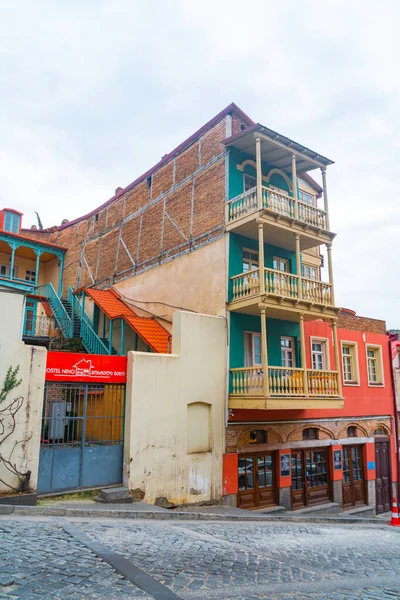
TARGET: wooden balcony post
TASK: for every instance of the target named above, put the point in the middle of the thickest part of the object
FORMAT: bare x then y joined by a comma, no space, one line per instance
325,192
298,267
13,249
294,184
303,354
259,173
337,358
264,351
261,257
330,270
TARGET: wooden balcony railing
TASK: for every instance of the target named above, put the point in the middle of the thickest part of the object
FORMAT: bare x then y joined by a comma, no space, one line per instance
322,383
281,284
277,202
285,285
283,381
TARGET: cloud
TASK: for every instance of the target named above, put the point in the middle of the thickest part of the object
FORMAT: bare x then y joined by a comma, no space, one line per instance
94,93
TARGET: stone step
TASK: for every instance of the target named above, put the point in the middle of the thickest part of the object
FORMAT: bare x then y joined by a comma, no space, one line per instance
117,495
275,510
359,511
329,508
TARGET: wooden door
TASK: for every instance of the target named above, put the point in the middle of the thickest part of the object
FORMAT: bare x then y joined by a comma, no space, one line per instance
353,485
298,483
383,479
256,481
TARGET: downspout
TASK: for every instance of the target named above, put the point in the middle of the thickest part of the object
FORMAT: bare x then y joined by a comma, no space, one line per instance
396,424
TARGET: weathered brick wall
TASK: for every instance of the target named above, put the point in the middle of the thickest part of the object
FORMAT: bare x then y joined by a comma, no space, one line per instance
182,209
348,321
238,436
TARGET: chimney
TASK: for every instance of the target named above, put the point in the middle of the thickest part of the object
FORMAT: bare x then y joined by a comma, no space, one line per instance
33,227
118,190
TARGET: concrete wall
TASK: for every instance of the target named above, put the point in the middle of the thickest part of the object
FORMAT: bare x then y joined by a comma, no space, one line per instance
159,458
26,410
195,281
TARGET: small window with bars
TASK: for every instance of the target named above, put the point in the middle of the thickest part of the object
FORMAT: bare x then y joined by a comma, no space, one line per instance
30,275
311,433
352,431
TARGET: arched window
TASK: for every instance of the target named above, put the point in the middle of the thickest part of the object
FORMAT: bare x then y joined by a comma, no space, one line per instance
380,431
352,431
258,436
311,433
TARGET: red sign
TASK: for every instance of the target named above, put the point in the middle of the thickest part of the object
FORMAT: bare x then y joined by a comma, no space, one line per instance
88,368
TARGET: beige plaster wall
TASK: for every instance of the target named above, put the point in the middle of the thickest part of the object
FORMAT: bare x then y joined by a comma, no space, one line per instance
158,457
195,281
48,272
24,404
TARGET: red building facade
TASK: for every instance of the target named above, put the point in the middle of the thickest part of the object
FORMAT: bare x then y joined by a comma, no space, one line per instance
336,459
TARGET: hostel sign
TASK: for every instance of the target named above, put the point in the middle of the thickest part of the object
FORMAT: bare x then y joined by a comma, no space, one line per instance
89,368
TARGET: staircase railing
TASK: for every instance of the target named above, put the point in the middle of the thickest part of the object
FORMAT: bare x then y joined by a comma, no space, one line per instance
59,312
90,339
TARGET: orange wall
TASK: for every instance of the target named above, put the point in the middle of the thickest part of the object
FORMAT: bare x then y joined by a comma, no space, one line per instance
360,400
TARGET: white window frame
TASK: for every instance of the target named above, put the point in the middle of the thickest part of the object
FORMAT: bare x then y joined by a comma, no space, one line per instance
292,349
325,343
312,196
380,372
8,271
305,265
253,334
356,365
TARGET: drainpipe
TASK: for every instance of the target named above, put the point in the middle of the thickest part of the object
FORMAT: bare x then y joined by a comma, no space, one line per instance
396,425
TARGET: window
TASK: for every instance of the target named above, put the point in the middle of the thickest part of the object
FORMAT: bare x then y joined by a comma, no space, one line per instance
374,365
5,271
318,354
280,264
250,260
352,431
252,349
287,352
380,431
149,182
310,272
250,182
305,197
259,436
349,363
96,217
30,275
11,222
311,433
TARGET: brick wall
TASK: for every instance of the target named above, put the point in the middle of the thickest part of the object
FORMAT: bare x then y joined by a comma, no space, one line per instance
182,209
349,321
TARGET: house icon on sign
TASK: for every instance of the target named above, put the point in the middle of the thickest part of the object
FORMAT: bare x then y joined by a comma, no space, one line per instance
83,368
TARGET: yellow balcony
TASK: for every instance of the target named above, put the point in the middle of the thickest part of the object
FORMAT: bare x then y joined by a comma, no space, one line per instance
285,388
282,217
284,296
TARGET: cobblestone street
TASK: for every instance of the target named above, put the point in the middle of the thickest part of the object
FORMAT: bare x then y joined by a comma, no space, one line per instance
54,559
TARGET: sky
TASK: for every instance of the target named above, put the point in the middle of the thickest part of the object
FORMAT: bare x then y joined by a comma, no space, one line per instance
95,92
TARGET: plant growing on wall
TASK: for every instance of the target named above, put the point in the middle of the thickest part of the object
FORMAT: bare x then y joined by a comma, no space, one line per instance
8,411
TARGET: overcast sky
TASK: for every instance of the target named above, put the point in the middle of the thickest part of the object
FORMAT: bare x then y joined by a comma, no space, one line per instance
94,92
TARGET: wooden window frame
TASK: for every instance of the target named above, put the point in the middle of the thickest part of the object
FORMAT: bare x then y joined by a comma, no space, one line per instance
288,337
379,365
253,334
310,266
354,347
251,262
244,182
325,342
284,260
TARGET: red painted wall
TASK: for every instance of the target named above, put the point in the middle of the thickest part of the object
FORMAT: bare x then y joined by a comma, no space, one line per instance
230,474
361,400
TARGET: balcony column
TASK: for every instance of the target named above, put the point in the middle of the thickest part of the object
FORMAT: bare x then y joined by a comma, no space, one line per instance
13,249
264,350
60,275
294,184
259,173
325,192
330,271
261,264
303,354
298,267
38,255
337,358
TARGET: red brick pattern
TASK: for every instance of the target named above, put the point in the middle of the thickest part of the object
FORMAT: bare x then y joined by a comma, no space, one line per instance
348,321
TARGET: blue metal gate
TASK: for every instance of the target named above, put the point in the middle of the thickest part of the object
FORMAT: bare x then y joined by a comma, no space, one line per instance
82,439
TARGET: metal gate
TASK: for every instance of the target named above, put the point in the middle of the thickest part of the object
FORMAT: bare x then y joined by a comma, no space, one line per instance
82,436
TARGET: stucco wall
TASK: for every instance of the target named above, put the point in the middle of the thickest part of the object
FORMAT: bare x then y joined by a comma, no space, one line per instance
158,458
194,281
27,411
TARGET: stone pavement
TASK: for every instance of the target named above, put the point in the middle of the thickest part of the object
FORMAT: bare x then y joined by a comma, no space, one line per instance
198,560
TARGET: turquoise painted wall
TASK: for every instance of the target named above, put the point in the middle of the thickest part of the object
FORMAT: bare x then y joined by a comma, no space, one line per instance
239,323
236,183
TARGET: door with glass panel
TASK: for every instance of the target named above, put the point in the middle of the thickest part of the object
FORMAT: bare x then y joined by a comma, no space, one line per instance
280,282
310,478
256,480
353,477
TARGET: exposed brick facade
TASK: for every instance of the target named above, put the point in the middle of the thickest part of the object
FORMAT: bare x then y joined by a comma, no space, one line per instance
346,320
